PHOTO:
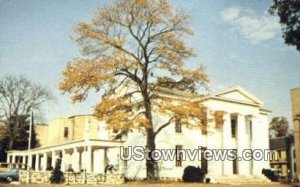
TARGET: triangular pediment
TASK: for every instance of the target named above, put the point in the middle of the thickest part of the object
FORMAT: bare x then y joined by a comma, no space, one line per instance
239,94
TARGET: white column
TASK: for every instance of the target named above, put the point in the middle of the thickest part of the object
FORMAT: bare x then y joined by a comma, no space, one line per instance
243,166
89,159
63,161
227,143
23,161
75,160
53,159
249,141
14,159
45,161
29,160
8,158
255,142
37,162
80,160
260,142
105,160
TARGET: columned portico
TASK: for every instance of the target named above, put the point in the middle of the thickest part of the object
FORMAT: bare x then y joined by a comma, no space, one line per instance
237,134
76,154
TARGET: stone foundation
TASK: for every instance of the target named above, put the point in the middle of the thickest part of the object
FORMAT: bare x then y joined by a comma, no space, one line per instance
72,178
172,179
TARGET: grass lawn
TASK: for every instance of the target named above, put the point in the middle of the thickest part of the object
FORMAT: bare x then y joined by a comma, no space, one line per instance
156,184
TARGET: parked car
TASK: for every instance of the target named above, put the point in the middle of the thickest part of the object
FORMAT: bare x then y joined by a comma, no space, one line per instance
11,175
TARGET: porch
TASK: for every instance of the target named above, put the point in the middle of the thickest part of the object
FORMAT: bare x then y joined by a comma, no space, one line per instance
84,155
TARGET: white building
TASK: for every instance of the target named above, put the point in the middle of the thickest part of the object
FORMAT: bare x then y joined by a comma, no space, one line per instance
84,143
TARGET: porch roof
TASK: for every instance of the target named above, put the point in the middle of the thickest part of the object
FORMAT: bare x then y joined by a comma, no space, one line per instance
72,144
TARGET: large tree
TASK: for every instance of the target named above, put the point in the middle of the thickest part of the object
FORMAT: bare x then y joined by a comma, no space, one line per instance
18,98
137,45
289,17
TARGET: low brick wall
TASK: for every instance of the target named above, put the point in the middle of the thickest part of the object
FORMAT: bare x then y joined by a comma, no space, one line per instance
35,177
73,178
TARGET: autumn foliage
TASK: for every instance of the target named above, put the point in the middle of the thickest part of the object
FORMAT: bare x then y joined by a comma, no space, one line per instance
128,47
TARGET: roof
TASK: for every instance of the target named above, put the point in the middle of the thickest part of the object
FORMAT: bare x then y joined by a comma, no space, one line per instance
298,88
278,143
78,115
71,144
235,94
238,95
228,93
175,92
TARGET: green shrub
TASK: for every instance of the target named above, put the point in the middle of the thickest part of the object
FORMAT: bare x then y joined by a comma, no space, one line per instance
57,175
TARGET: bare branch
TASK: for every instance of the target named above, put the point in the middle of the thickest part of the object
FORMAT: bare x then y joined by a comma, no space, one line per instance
164,125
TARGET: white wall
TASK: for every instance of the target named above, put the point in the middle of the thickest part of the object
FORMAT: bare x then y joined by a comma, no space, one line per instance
215,139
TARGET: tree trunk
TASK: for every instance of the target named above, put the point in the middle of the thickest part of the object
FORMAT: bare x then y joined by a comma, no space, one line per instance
11,143
11,133
150,163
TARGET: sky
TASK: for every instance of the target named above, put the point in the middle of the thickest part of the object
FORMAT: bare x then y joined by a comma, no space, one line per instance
237,41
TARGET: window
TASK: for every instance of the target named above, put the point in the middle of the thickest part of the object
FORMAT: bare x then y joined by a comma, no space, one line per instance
295,167
233,128
178,152
279,155
66,132
274,156
178,126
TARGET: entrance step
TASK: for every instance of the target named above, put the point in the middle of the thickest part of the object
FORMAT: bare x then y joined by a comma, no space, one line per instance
240,179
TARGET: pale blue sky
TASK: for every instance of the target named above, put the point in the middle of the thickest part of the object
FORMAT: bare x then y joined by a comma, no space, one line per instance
239,43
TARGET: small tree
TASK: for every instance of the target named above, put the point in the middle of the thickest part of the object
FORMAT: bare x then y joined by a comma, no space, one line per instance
280,126
18,97
22,126
57,175
135,44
